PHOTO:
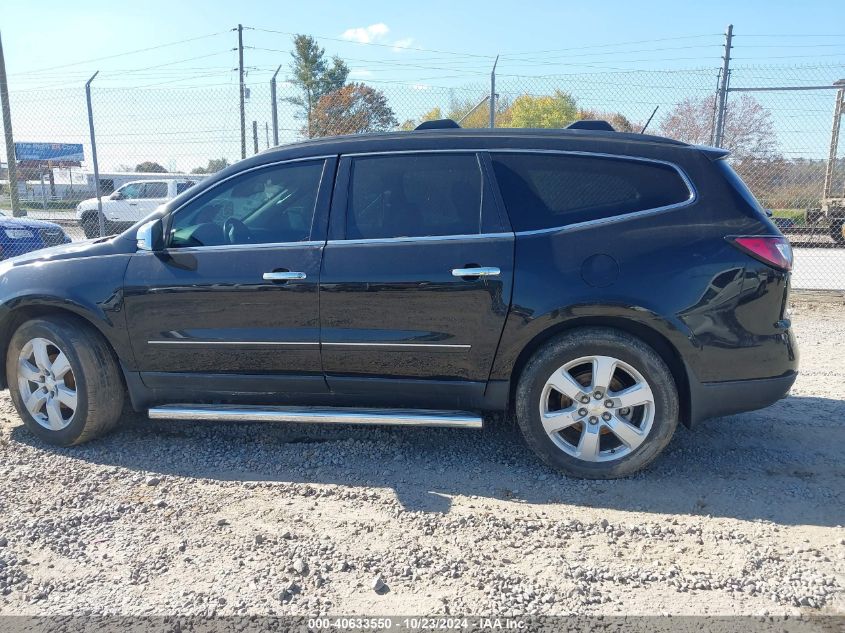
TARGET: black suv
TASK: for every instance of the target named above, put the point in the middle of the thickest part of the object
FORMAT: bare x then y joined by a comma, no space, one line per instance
600,286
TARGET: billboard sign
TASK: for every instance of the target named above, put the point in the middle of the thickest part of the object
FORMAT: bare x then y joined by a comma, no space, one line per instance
71,152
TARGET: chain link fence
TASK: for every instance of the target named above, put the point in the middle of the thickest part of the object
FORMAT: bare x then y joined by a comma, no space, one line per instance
780,137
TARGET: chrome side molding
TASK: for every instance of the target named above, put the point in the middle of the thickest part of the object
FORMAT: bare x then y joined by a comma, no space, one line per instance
318,415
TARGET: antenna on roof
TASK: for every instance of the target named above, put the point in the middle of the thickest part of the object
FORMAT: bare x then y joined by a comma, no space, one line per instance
653,112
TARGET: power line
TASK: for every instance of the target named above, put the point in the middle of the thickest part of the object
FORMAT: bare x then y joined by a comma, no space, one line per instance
578,48
116,55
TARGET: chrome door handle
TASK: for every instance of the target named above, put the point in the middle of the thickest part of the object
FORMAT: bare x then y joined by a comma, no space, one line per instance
480,271
283,276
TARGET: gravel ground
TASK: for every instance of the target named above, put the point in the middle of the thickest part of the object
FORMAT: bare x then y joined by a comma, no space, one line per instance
743,515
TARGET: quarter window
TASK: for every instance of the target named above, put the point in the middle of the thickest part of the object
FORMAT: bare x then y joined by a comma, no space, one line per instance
155,190
543,191
266,206
415,195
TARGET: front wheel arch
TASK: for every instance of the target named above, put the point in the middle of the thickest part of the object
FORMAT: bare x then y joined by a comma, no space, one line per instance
651,337
26,313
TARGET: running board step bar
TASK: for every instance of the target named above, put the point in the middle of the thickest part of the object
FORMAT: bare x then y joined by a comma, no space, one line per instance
318,415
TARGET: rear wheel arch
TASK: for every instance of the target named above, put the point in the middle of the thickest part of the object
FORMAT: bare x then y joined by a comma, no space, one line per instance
648,335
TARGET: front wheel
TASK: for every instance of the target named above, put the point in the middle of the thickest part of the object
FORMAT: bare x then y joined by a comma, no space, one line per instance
597,403
90,223
64,380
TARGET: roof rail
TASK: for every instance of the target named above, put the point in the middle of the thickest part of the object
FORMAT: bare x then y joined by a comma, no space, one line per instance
438,124
591,125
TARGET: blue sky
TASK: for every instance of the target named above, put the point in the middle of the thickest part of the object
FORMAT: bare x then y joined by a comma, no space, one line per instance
60,32
421,55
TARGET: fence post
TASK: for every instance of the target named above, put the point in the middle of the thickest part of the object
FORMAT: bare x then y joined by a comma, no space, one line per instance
100,217
10,141
274,107
723,88
255,137
827,191
493,94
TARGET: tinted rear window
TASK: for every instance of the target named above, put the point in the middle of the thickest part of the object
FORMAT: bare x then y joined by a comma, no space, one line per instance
415,196
543,191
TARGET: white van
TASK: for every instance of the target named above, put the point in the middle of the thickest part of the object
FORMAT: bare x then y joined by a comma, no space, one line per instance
128,204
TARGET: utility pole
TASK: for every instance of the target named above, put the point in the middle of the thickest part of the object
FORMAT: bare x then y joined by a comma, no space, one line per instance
100,217
274,107
7,133
723,87
242,88
493,94
255,136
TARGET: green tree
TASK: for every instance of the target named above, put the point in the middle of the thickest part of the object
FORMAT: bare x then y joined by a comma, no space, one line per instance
550,111
150,167
214,165
313,76
354,109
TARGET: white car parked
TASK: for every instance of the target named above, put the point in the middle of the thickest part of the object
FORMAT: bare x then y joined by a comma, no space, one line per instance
128,204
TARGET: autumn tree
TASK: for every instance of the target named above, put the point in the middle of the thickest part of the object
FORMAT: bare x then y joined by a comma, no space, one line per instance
749,131
150,167
432,115
550,111
461,110
353,109
313,76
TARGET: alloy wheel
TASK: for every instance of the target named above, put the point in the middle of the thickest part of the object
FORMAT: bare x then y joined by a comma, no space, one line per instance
47,384
597,408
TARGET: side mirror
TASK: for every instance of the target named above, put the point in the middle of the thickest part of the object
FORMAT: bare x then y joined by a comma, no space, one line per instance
151,236
117,195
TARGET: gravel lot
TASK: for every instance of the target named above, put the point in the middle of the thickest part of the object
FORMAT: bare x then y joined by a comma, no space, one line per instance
743,515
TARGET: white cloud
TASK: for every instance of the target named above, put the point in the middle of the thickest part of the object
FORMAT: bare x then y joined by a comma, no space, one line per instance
421,87
400,45
366,34
361,72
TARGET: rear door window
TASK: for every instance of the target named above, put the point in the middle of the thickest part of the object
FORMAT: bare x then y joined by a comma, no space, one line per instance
542,191
415,195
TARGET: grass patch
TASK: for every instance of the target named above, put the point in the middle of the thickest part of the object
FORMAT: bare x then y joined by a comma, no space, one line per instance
799,216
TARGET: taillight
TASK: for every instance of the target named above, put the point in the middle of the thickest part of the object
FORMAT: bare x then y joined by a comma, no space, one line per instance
769,249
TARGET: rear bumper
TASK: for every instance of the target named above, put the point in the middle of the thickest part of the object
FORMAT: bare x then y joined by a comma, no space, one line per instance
714,399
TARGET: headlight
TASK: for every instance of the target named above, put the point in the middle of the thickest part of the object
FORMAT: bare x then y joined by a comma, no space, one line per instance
19,234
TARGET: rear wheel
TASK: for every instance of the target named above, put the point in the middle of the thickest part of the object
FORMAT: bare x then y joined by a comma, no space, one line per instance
64,380
597,403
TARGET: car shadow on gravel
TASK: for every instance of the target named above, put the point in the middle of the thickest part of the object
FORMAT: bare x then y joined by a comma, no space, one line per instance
782,464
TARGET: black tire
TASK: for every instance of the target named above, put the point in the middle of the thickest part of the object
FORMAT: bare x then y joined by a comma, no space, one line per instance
836,226
90,224
96,378
596,342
